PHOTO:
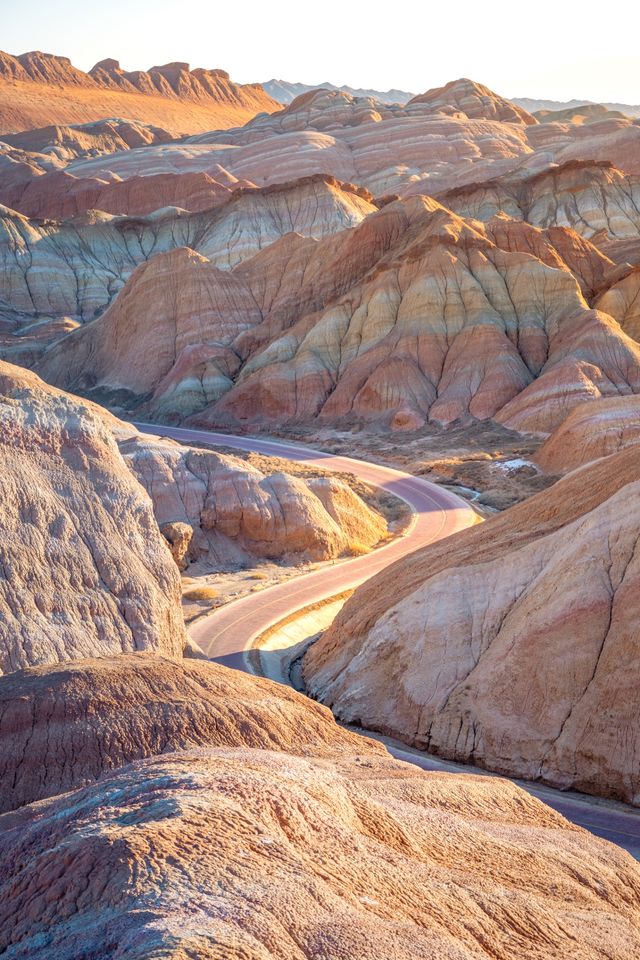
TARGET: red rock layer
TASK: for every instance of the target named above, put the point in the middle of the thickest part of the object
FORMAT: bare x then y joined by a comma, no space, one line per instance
119,709
414,315
592,430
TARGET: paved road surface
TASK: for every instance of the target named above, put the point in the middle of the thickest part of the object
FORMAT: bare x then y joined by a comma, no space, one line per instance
227,633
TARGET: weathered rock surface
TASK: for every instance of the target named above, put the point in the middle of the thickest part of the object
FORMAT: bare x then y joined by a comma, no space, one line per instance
592,430
238,513
65,726
40,88
415,315
76,268
86,571
251,854
622,302
60,195
588,197
513,645
68,142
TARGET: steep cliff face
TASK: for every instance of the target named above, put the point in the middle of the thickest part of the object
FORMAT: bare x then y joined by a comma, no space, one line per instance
514,645
86,572
42,88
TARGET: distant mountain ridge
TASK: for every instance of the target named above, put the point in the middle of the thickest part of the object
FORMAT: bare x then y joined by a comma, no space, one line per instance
533,105
285,92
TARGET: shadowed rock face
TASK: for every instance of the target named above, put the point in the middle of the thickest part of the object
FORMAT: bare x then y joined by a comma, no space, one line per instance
86,571
64,726
514,645
591,431
256,854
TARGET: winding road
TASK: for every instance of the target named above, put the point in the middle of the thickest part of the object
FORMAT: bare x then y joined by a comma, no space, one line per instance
228,632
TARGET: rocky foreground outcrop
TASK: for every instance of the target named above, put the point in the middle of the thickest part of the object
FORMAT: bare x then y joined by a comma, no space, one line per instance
258,854
85,569
66,725
513,645
39,88
236,513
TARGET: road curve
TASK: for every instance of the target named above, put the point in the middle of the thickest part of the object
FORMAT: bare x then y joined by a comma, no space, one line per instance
228,632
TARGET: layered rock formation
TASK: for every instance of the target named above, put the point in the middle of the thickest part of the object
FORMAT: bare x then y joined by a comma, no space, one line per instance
416,315
255,853
475,101
588,197
70,142
513,646
86,571
119,709
54,269
40,88
622,301
238,513
60,195
592,430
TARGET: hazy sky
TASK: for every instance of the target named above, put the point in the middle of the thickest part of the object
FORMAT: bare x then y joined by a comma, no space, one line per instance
548,48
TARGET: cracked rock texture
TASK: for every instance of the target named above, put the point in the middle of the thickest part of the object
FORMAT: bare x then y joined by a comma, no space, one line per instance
585,195
37,89
513,645
255,854
66,725
85,569
237,513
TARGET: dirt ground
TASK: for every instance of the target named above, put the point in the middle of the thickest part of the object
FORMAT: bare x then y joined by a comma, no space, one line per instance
483,462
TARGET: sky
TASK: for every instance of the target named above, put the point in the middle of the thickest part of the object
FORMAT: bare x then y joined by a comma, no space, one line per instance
551,50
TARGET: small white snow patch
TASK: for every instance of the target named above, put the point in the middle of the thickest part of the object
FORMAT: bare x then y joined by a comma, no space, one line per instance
511,466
